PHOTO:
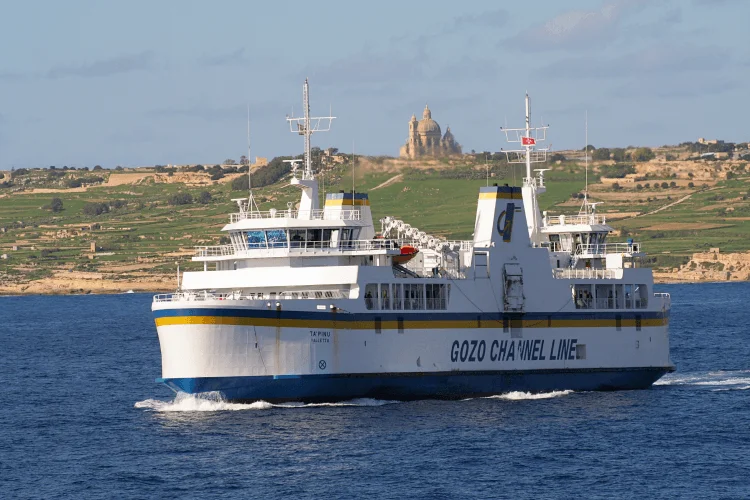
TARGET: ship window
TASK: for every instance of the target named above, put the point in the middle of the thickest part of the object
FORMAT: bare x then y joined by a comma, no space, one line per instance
413,297
256,239
385,299
582,296
276,238
396,297
297,238
314,238
618,296
605,297
628,296
371,296
641,296
436,296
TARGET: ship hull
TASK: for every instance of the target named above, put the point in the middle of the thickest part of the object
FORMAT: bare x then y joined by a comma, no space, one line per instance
248,354
415,386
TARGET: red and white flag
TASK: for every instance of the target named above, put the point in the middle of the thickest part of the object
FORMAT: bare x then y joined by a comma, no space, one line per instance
528,141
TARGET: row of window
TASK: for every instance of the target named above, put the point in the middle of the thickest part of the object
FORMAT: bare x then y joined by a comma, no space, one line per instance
407,296
300,238
616,296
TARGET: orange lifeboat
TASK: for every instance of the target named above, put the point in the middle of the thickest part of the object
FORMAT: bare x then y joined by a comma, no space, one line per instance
407,253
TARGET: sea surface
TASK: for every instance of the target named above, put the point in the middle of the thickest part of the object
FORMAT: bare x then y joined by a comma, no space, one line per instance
81,417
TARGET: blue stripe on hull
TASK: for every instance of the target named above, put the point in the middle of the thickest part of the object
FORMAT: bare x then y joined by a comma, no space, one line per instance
399,386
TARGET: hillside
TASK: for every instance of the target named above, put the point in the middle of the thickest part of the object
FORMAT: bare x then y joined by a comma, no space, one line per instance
128,229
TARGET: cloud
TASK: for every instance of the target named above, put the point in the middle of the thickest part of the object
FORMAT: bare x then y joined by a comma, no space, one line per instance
106,67
369,69
236,57
684,89
576,29
202,112
11,77
656,59
492,19
468,68
237,112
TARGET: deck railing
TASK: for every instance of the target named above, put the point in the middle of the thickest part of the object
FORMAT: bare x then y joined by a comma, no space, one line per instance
608,248
590,219
319,214
297,247
587,273
203,295
666,299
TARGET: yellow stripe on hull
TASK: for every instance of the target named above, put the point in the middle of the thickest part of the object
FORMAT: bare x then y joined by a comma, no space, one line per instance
407,325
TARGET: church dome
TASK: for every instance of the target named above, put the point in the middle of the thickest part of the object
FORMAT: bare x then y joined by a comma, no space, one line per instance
428,126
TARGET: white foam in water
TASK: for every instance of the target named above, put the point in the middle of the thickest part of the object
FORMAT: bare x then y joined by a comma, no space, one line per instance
720,378
520,396
213,401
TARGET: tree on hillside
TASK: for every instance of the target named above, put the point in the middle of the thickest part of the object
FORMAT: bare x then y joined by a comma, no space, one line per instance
601,154
98,167
229,161
244,160
180,199
643,154
204,198
94,209
56,205
618,154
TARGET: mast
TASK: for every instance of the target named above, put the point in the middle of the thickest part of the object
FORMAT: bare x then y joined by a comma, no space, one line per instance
306,126
250,199
527,142
528,137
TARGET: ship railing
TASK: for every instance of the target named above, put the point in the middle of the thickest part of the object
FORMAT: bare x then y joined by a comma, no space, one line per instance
214,251
587,273
586,220
608,248
318,214
666,299
275,248
204,295
347,246
554,246
451,245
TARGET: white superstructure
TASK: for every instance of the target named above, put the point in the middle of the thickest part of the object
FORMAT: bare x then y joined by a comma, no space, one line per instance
308,303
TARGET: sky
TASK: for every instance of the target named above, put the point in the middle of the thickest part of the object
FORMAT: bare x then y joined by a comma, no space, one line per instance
142,82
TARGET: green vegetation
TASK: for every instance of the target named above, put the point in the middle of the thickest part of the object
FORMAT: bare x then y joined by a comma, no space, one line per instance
148,221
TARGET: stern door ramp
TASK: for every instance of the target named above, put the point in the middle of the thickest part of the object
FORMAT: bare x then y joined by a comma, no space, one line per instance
513,286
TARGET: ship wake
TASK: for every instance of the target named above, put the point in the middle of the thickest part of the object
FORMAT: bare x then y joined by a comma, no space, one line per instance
521,396
215,402
721,380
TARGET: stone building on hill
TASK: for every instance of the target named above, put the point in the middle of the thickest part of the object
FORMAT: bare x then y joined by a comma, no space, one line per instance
426,140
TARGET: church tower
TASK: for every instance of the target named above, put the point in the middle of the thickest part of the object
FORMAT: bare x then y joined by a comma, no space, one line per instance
425,139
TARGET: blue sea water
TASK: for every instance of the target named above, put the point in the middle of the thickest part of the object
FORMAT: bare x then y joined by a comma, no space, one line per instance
81,417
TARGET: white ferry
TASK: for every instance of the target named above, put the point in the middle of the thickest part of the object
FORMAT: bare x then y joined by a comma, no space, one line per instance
311,304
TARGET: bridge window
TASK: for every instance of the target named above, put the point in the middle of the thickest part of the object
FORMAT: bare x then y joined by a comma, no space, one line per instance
297,238
277,238
256,239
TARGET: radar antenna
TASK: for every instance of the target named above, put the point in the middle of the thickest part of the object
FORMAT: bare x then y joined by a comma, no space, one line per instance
306,126
528,137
